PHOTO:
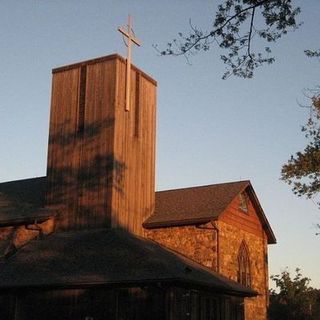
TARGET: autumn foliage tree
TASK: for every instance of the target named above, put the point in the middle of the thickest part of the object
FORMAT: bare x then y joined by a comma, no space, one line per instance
302,171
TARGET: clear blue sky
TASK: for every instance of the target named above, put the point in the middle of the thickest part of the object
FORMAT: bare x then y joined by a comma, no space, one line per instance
209,130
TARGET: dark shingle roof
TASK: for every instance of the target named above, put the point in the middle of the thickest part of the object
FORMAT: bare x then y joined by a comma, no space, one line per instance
193,205
196,205
106,257
22,201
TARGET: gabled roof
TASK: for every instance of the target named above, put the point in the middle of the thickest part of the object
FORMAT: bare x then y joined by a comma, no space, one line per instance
106,257
22,202
201,204
193,205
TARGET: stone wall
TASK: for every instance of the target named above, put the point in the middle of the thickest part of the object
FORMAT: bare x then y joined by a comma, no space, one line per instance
230,239
199,243
12,238
216,245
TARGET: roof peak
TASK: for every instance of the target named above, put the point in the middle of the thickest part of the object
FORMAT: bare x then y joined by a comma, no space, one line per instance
207,185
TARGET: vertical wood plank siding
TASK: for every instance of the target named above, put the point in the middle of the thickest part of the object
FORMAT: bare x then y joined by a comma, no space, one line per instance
134,144
101,170
63,155
248,221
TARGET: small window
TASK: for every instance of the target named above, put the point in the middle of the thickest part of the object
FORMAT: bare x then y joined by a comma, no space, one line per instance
243,202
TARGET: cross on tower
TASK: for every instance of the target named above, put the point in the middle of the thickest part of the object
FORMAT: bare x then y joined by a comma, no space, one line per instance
129,34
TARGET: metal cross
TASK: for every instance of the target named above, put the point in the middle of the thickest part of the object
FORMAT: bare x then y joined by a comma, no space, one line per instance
129,34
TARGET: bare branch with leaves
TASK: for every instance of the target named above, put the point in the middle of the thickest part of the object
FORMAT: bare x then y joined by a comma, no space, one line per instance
234,29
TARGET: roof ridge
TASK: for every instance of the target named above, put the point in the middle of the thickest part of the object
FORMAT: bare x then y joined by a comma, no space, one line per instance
205,186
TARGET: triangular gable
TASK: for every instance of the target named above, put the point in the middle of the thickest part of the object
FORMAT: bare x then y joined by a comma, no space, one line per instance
249,216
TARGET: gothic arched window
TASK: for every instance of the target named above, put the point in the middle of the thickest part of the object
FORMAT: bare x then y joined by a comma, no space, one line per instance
244,276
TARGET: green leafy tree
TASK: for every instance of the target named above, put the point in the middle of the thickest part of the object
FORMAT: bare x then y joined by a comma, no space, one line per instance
236,25
295,299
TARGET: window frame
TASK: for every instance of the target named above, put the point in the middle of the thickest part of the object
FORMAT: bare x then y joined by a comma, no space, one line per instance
244,265
243,202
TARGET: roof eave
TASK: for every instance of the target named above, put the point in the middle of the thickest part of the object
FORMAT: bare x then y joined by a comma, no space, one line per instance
181,282
20,222
176,223
29,219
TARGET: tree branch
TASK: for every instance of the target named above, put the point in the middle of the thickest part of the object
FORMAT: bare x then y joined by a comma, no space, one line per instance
250,33
214,32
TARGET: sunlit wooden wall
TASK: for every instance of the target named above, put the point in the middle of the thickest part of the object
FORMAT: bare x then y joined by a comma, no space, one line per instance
101,158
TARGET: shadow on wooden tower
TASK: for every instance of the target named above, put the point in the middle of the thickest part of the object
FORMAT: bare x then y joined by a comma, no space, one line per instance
101,157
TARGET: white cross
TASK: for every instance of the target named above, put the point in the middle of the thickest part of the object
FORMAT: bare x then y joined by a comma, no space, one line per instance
131,38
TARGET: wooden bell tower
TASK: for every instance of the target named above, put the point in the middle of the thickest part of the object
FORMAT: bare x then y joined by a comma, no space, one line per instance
101,156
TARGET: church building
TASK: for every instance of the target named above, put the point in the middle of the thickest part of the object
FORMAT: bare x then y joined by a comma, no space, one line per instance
92,239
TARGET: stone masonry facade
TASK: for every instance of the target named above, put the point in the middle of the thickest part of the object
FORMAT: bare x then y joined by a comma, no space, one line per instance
216,246
199,243
230,239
